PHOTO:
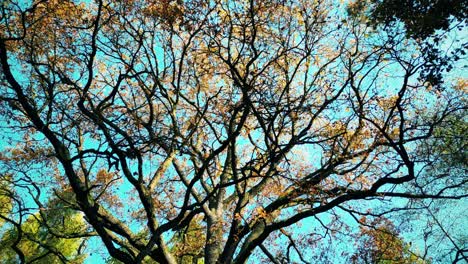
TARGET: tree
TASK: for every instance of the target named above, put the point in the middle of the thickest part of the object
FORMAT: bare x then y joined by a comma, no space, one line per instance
49,236
5,198
187,244
446,151
35,231
422,18
426,21
381,244
228,119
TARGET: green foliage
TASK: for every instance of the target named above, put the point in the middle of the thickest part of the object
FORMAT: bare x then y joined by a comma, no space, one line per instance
5,198
447,150
426,21
44,237
451,142
188,244
422,18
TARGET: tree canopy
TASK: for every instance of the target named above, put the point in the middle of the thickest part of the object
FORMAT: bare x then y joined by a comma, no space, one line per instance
226,131
380,243
53,234
422,18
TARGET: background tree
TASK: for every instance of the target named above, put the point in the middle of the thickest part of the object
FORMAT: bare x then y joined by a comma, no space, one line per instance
422,18
37,228
230,119
188,243
381,244
5,198
430,22
52,235
39,239
446,151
